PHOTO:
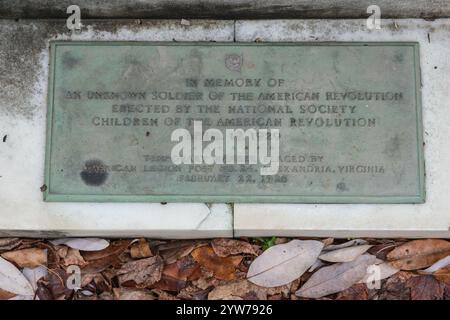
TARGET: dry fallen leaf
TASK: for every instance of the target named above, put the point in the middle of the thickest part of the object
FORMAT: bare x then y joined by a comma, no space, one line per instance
114,249
73,257
162,295
134,294
174,250
191,292
227,247
395,287
336,277
351,243
175,275
184,269
327,242
418,254
223,268
85,244
381,250
443,275
56,283
344,254
237,290
13,281
143,273
140,249
438,265
357,291
383,271
425,287
33,275
7,244
168,283
27,258
283,263
5,295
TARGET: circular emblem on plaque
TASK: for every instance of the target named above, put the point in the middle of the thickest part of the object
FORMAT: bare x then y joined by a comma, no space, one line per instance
233,62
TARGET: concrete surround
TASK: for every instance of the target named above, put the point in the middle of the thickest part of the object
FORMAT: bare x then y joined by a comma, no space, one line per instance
23,83
431,219
224,9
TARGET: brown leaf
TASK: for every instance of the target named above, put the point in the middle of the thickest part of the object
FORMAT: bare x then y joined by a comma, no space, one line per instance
43,292
57,283
447,292
99,265
175,275
443,275
425,287
143,273
237,290
395,287
382,250
184,269
27,258
227,247
418,254
191,292
73,257
141,249
162,295
168,283
53,259
114,249
7,244
62,251
327,241
97,261
5,295
358,291
174,250
206,281
134,294
223,268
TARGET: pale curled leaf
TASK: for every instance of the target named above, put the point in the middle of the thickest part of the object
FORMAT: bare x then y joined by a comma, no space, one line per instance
336,277
316,265
351,243
84,244
444,262
344,254
12,280
34,274
282,264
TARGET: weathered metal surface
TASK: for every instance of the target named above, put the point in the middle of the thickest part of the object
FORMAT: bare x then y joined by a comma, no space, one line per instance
349,117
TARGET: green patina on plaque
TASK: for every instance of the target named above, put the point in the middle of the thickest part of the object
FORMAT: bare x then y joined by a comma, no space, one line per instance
348,114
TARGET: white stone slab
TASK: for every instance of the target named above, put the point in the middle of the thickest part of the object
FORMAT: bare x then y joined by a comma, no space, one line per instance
431,219
23,83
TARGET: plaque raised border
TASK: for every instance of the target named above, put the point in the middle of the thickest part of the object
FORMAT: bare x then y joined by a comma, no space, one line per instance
419,197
